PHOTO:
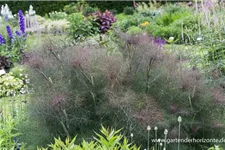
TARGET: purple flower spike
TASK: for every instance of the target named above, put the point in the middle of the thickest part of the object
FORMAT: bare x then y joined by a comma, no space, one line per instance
8,29
21,21
18,33
2,40
159,41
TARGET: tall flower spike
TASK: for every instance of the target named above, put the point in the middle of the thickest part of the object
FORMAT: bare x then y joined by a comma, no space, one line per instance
8,29
2,40
21,21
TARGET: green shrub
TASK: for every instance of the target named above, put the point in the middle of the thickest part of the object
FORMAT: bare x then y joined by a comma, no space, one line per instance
121,17
81,27
151,14
128,10
148,10
88,10
109,139
113,11
8,135
171,25
134,30
163,31
80,6
124,22
69,9
216,53
175,8
216,147
13,86
127,22
167,18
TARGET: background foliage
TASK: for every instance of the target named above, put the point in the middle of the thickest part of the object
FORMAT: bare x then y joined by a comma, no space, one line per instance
44,7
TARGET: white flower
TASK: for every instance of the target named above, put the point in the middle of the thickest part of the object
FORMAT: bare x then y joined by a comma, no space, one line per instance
8,93
132,135
156,128
199,38
26,76
2,72
27,80
22,91
148,128
165,131
179,119
161,144
171,38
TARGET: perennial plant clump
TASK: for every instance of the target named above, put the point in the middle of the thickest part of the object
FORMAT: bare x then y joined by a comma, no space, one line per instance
105,20
138,86
108,139
13,45
13,86
81,27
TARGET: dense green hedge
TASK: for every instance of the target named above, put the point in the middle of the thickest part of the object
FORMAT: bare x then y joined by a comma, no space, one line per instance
45,6
120,4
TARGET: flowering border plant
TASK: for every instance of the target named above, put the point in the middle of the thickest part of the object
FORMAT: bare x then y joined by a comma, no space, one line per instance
13,45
